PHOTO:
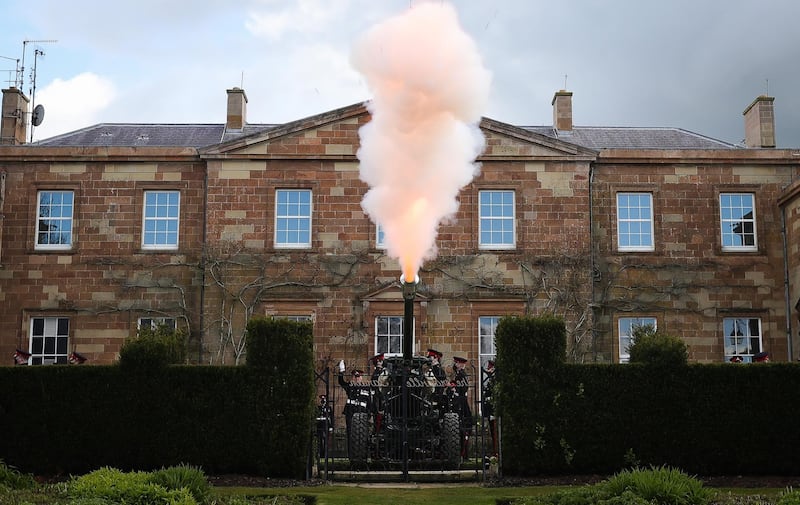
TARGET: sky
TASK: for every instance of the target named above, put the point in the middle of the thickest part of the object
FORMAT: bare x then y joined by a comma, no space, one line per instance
691,64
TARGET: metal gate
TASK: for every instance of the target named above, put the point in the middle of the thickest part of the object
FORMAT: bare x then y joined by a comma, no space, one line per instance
401,421
405,415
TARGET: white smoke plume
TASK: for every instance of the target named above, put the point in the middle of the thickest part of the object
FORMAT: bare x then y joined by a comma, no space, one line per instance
429,89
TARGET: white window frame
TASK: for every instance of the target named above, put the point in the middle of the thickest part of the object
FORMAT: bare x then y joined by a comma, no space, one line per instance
161,219
487,221
625,328
54,337
487,326
630,216
293,212
738,338
393,335
155,322
304,318
732,215
43,220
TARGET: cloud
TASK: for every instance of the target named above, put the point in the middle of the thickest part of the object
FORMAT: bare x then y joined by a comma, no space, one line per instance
77,102
302,16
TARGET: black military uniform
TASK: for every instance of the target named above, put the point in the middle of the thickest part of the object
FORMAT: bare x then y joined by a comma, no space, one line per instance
324,425
377,399
359,396
488,405
436,369
436,378
460,393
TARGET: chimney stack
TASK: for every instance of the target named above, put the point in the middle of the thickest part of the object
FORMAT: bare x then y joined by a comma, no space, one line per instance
14,124
759,123
237,109
562,110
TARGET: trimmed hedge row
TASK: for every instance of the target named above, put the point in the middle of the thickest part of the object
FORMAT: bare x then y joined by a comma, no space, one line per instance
74,419
704,418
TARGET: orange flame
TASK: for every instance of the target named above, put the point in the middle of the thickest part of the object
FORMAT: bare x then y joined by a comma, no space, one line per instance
409,273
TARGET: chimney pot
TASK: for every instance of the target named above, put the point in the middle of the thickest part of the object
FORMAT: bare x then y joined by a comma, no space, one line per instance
562,110
237,109
759,122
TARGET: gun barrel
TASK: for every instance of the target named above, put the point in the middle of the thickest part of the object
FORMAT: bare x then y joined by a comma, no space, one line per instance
409,294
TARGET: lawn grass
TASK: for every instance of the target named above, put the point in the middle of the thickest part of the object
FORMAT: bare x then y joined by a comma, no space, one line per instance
459,494
396,494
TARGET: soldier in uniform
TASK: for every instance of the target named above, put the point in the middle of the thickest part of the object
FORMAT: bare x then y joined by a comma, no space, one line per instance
460,392
324,425
488,405
435,380
435,376
762,357
378,376
359,395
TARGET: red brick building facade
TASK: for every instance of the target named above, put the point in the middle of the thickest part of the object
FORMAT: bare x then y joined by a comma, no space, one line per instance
204,226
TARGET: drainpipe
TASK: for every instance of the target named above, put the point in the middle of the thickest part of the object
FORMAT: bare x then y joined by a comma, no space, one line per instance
592,265
203,252
786,285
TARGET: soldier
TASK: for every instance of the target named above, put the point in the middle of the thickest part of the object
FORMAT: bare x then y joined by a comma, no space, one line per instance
435,380
377,363
488,405
762,357
378,377
435,375
324,425
460,392
359,396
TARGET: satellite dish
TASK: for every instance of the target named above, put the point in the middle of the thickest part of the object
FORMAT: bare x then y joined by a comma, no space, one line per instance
38,115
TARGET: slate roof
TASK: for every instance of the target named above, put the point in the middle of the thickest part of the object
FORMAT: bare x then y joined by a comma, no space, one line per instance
204,135
150,135
604,137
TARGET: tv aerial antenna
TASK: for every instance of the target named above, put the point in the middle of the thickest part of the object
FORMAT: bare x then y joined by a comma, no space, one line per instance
15,80
25,50
37,116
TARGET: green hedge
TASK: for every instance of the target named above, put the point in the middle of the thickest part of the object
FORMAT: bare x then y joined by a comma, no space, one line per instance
704,418
74,419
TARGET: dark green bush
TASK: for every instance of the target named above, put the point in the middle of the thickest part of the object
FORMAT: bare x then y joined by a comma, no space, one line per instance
655,348
153,348
530,356
282,352
277,342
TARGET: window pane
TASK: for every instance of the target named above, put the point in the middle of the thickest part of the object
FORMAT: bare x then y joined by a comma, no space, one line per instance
161,220
627,325
487,325
49,340
379,241
741,338
635,221
54,220
389,334
293,218
496,221
737,221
